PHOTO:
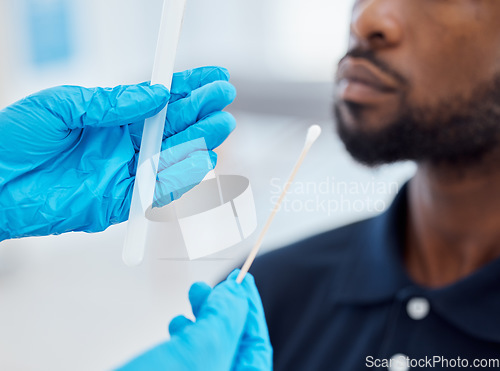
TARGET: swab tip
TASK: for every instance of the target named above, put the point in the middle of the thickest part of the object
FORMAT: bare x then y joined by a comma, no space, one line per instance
313,133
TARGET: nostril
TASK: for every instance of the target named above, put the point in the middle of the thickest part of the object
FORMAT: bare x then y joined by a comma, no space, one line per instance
377,36
378,40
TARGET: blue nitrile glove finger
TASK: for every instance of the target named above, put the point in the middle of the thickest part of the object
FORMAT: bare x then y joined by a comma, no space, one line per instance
76,107
68,154
207,134
198,295
215,128
183,83
178,324
255,351
181,177
210,343
200,103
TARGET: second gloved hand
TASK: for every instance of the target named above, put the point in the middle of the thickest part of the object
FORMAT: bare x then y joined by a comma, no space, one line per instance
230,333
68,155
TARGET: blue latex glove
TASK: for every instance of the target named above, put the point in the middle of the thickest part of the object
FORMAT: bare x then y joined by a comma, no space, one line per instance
230,333
68,155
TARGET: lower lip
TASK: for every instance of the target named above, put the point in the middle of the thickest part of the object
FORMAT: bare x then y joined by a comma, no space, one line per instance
358,92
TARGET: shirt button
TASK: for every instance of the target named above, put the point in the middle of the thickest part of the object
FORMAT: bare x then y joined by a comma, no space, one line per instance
418,308
398,363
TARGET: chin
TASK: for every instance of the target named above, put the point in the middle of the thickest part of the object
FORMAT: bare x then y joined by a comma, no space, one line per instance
353,117
361,118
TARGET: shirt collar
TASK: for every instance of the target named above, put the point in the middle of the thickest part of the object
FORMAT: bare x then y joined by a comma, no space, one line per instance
375,273
473,303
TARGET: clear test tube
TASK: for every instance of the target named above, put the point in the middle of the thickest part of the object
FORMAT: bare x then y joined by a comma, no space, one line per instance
145,181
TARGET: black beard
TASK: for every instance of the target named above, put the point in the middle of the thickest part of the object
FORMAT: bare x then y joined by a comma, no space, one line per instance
457,132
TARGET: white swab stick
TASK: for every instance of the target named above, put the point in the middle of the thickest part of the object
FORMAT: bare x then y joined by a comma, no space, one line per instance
145,182
312,134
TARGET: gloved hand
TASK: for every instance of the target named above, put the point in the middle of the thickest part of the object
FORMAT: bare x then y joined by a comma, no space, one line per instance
68,155
230,333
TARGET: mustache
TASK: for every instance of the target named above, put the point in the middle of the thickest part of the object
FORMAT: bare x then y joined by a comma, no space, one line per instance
369,55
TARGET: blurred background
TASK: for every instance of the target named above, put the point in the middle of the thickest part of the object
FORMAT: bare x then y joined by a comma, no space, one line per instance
68,302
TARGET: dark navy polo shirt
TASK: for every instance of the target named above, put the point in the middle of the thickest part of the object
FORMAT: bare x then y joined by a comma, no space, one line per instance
342,300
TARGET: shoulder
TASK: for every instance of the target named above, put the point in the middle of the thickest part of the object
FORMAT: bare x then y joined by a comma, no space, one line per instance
299,269
316,252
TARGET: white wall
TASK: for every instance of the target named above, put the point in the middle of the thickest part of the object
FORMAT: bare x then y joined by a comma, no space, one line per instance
114,41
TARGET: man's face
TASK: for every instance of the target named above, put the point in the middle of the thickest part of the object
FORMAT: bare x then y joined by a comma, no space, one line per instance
421,80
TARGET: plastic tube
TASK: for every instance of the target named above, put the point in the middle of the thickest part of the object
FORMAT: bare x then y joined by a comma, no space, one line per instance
145,181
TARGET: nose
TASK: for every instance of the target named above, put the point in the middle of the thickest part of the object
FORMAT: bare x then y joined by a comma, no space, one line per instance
377,24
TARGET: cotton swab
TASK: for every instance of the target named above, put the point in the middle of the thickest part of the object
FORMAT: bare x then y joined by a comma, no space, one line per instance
312,134
145,181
